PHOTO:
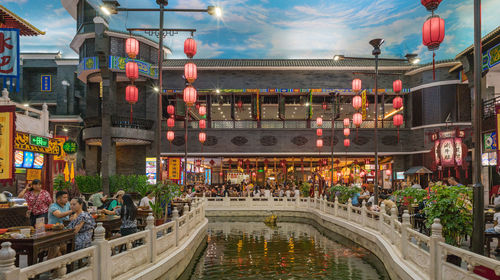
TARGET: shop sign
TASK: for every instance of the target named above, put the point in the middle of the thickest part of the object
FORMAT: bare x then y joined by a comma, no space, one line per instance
39,141
151,170
32,174
70,147
45,83
22,142
9,52
6,144
491,57
118,63
490,142
174,168
60,141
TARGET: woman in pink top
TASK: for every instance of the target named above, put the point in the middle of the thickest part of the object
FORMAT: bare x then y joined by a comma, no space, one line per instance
38,201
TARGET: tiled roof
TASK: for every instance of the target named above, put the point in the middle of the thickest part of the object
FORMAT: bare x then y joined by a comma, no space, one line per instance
11,20
487,39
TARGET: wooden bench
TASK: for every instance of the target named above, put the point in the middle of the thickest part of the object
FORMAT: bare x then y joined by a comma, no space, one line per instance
488,238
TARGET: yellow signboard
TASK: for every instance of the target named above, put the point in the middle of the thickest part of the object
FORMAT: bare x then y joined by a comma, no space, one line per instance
22,142
174,168
32,174
6,149
60,141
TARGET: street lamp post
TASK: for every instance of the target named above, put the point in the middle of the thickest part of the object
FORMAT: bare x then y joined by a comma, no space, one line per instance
376,43
159,116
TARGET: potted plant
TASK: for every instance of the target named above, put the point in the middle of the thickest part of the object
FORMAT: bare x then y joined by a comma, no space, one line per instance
164,193
60,184
344,192
452,205
305,189
409,196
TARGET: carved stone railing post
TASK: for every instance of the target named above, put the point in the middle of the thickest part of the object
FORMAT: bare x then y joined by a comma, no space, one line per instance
394,218
103,258
324,204
363,213
405,225
8,270
435,250
381,219
226,200
308,201
175,218
349,209
150,225
336,207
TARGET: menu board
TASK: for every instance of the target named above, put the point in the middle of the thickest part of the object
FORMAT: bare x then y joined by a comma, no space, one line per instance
19,156
38,162
151,170
29,157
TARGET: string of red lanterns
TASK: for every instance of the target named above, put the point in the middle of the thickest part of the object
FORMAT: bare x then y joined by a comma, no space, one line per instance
433,31
132,73
397,103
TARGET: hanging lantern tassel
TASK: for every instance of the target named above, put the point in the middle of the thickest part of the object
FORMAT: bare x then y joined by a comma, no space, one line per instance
457,172
433,65
131,112
449,172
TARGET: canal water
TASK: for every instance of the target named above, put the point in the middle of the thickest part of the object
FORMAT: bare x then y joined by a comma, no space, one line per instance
288,250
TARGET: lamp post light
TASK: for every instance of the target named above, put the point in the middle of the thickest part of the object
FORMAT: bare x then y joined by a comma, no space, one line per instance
376,43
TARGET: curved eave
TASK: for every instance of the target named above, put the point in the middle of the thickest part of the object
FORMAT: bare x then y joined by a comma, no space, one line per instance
70,6
429,67
12,20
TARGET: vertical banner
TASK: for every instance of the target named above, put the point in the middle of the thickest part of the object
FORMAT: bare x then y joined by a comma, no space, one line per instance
7,128
9,55
151,170
174,168
363,104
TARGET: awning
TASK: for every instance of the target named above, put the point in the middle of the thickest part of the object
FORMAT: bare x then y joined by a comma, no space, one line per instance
418,170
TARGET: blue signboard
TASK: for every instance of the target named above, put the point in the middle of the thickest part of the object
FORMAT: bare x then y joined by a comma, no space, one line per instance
46,83
9,58
29,157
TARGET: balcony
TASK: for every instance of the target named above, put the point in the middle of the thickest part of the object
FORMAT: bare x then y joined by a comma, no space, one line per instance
123,131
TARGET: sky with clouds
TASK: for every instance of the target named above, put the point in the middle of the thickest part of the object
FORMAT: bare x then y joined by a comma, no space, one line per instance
277,28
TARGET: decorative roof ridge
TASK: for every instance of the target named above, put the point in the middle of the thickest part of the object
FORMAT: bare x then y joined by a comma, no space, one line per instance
27,24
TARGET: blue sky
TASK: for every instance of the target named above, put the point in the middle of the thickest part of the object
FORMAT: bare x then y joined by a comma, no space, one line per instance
277,28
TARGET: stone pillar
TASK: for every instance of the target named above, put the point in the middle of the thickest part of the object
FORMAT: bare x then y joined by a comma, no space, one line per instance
226,200
435,250
150,225
381,219
405,226
103,253
175,218
8,271
349,209
336,207
363,213
394,218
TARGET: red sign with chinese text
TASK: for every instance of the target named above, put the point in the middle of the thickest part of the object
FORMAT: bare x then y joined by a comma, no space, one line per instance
9,52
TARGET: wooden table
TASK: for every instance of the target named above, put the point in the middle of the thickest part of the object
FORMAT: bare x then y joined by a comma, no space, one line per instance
35,246
111,223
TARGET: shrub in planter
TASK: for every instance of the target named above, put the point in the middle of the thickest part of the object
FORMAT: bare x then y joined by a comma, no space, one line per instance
164,193
89,184
305,188
409,196
344,192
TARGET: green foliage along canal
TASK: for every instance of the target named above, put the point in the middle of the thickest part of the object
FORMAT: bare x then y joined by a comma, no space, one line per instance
252,250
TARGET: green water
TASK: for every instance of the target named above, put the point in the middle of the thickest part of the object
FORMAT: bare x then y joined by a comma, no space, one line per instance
252,250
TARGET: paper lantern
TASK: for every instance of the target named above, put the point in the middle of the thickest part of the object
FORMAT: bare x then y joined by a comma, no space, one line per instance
131,94
190,47
239,104
357,119
190,95
171,109
324,105
397,86
132,47
202,136
319,121
433,32
357,102
202,110
397,102
170,135
431,5
388,172
221,173
132,70
347,142
398,120
347,122
190,72
347,132
202,124
319,132
319,143
356,85
170,122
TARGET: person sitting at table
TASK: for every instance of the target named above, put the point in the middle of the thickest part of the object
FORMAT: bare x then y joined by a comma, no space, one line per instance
38,201
98,199
496,226
116,203
144,203
82,223
60,211
128,213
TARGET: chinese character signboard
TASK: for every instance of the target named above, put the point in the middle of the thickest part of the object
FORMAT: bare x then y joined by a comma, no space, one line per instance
22,142
9,55
491,57
6,143
70,147
45,83
174,168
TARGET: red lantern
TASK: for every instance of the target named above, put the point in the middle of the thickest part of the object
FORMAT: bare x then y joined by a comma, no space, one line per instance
170,135
397,102
347,142
132,70
319,121
347,122
170,109
319,132
203,124
239,104
431,5
221,174
357,119
357,102
356,85
433,32
190,95
132,47
397,86
170,122
347,132
131,94
202,110
190,47
190,72
388,172
397,121
319,143
202,136
324,105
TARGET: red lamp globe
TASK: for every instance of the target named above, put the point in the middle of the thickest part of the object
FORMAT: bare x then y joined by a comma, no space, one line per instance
170,109
397,120
347,132
319,143
132,47
203,124
324,105
356,85
347,122
397,103
388,172
433,32
357,102
131,94
190,72
190,47
132,70
319,132
357,119
202,110
202,136
190,95
170,135
431,5
319,121
397,86
347,142
170,122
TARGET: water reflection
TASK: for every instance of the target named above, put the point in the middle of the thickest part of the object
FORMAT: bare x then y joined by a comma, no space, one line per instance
251,250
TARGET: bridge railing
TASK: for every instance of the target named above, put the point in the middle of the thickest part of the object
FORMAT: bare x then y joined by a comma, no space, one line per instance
428,253
120,258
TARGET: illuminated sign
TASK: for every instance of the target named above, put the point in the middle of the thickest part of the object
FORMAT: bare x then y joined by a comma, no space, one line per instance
39,141
22,142
45,83
70,147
